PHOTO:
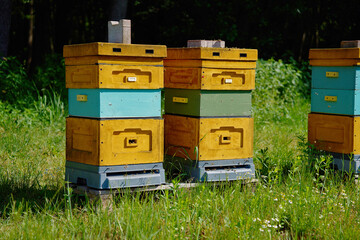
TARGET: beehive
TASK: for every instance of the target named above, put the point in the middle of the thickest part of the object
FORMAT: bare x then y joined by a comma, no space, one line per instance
114,65
115,141
335,90
209,138
210,68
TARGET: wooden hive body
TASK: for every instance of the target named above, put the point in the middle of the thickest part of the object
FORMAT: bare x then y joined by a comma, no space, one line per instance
334,57
114,142
335,133
209,138
115,103
207,103
335,101
210,68
114,65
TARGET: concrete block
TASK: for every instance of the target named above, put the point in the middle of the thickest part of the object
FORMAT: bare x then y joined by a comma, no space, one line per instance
119,32
205,43
350,44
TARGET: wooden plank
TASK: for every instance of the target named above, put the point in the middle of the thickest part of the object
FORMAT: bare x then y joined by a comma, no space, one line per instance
210,64
334,53
106,60
335,62
235,54
181,136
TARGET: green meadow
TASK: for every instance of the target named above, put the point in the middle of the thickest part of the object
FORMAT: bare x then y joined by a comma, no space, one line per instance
298,194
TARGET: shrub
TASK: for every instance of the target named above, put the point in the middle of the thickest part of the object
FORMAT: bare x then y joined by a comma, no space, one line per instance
279,87
15,86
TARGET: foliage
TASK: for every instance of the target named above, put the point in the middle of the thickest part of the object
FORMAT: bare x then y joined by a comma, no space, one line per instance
50,76
279,87
300,197
21,89
15,86
279,29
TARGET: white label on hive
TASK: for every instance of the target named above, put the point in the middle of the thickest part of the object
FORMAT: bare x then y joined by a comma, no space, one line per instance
228,81
131,79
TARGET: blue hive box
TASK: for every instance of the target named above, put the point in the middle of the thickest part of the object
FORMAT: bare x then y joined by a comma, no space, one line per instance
115,103
334,101
336,77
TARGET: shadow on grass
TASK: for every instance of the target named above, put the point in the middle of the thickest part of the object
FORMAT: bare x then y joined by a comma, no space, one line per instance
22,195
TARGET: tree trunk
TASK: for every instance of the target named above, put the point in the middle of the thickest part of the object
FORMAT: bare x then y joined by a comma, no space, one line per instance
118,10
5,21
31,34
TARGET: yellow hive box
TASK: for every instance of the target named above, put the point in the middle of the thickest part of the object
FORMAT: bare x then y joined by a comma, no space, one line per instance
334,133
335,57
209,138
114,142
114,65
210,68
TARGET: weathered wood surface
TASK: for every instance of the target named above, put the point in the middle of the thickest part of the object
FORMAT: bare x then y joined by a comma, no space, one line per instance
114,142
209,138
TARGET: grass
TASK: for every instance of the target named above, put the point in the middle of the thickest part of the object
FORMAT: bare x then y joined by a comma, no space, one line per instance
300,196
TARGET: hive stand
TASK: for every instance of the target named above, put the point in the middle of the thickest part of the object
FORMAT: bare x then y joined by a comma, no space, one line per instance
106,196
218,170
347,163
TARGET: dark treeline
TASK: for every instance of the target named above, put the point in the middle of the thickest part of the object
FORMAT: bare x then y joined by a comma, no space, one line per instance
278,28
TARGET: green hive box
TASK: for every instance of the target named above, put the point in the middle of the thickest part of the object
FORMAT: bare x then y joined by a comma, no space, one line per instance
207,103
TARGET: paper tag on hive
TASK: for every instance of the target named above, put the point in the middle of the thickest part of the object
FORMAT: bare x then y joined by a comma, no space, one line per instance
331,98
131,79
332,74
228,81
81,98
180,100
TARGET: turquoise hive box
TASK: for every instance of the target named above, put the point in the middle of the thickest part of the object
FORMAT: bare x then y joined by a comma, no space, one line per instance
336,77
335,101
115,103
